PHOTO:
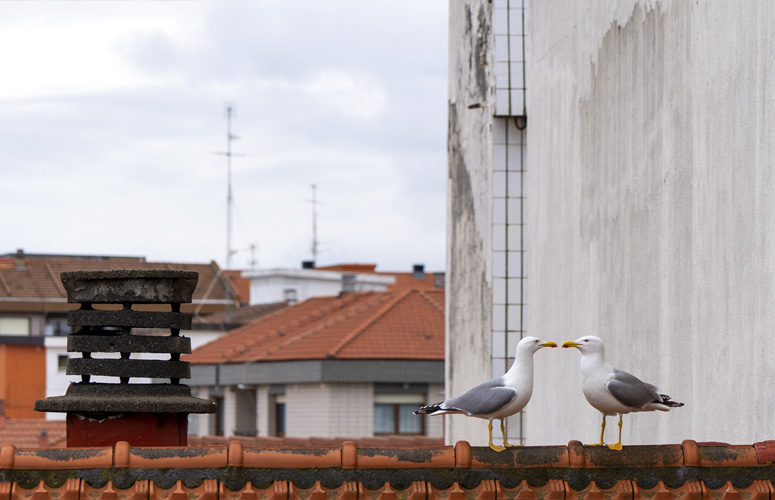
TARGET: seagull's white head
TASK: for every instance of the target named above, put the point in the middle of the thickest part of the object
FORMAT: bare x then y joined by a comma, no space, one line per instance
586,345
533,344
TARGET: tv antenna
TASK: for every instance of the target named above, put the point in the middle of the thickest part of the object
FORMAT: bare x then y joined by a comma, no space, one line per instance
314,224
229,201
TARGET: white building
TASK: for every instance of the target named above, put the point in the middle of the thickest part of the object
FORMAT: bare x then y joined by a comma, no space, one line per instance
646,212
293,285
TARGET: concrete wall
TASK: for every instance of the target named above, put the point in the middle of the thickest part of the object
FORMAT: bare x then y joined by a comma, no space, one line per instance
651,211
469,212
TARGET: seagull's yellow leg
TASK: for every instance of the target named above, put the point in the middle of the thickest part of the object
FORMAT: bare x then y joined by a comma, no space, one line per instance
505,440
494,446
602,431
618,445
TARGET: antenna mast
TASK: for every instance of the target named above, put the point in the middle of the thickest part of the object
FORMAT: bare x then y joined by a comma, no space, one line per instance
228,154
314,225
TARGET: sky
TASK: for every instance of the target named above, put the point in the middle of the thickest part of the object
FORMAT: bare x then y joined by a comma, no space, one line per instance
113,115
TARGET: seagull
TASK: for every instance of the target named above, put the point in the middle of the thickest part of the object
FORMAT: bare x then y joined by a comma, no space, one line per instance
497,398
613,391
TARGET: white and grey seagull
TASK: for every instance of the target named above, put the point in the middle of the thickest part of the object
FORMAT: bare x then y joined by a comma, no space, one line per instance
500,397
613,391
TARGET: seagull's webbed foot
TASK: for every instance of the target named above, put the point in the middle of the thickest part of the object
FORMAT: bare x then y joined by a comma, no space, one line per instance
497,447
618,445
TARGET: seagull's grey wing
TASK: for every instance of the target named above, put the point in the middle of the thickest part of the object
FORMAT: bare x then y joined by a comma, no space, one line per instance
630,390
485,398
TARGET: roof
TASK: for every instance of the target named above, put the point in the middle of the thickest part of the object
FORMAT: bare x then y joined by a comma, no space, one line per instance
33,433
240,285
420,280
34,278
686,471
240,315
405,324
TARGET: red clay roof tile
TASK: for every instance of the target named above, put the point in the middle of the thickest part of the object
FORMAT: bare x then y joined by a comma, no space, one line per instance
425,473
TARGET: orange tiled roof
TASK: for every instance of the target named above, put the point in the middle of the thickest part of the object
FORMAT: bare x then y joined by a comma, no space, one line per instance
39,278
407,324
686,471
27,433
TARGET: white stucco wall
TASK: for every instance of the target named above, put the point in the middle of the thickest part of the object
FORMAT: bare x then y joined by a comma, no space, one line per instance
651,211
329,410
469,210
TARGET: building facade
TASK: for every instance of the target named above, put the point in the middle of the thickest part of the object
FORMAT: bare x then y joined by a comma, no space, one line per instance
647,214
354,365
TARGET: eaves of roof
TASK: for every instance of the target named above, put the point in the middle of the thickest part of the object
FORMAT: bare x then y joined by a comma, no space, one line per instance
689,471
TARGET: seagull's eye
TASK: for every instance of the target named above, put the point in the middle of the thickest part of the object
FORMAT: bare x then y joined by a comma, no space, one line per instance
586,340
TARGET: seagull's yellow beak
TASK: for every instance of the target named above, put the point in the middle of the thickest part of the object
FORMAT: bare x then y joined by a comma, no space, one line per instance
548,344
570,343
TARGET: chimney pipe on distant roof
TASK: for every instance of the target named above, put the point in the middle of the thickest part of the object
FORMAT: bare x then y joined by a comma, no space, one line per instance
349,282
418,271
308,264
19,260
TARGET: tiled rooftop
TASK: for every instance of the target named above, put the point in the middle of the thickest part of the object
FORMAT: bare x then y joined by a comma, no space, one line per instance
37,278
32,433
240,315
402,324
690,471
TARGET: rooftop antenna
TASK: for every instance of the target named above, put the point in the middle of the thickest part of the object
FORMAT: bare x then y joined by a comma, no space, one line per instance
228,154
314,224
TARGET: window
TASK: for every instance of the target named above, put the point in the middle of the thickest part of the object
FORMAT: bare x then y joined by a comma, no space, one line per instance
279,415
394,414
57,326
14,325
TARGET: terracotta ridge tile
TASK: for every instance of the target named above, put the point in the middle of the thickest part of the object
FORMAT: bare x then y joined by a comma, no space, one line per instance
310,317
300,336
8,290
56,280
765,452
389,304
425,294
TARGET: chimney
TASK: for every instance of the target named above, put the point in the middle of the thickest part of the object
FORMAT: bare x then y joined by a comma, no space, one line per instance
101,414
308,264
348,282
19,261
418,271
439,280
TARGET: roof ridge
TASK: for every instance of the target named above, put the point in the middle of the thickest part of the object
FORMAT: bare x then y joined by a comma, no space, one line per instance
358,331
433,304
57,283
305,332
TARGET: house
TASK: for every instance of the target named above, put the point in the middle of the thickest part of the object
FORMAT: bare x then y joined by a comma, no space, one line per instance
354,364
33,318
291,285
632,200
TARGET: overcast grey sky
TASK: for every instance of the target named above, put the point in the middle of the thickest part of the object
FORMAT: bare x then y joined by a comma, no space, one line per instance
111,114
